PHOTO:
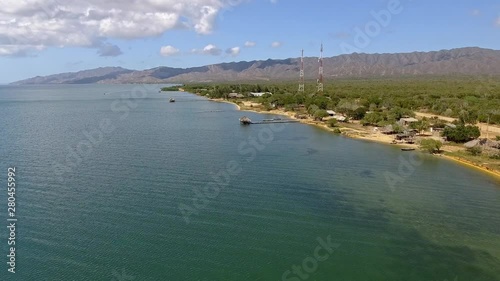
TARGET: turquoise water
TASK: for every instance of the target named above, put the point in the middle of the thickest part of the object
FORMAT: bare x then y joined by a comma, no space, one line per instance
115,208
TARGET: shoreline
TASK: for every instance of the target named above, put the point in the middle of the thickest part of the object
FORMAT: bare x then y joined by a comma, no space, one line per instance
464,162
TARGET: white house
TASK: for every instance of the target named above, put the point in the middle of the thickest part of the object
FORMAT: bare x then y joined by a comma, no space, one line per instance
331,112
259,94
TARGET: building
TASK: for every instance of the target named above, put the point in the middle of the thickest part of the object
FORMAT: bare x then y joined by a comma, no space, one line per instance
235,96
331,112
340,118
260,94
407,121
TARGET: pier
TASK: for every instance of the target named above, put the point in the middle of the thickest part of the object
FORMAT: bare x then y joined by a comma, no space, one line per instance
247,121
276,121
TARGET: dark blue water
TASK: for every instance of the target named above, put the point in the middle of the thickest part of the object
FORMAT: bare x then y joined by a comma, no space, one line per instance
116,183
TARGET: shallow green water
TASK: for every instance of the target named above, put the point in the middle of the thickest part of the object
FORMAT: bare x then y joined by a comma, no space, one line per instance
115,214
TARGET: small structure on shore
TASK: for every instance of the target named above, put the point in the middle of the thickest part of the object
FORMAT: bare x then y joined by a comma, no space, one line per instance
331,112
340,118
388,130
260,94
235,96
407,121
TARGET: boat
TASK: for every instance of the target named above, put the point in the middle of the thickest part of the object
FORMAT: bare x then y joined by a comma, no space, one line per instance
407,149
172,100
245,120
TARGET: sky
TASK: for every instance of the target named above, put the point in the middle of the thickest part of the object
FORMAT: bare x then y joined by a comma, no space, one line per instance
43,37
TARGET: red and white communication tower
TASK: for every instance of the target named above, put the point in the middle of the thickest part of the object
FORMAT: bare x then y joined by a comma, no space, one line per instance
301,84
320,72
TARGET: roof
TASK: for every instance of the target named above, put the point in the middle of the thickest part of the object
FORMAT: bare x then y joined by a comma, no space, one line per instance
388,128
331,112
235,95
259,94
410,119
471,144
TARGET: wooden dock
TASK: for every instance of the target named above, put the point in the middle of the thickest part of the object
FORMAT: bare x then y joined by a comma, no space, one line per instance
276,121
247,121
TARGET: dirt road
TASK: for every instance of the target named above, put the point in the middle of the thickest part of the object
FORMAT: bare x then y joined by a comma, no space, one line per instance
493,130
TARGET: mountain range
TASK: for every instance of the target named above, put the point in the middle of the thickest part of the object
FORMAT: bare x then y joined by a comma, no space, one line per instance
465,61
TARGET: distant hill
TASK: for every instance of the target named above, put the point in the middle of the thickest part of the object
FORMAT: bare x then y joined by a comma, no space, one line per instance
468,61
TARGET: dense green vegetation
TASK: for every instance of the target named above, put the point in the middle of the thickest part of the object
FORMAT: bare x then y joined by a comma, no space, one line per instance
461,133
380,101
171,89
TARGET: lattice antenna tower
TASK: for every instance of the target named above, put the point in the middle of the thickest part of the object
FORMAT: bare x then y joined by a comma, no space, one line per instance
320,71
301,83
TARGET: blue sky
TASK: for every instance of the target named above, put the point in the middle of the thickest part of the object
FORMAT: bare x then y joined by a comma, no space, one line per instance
47,37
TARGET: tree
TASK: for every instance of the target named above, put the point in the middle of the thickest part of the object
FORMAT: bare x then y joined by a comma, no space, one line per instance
312,109
332,122
431,145
468,117
461,133
320,114
357,114
421,125
372,119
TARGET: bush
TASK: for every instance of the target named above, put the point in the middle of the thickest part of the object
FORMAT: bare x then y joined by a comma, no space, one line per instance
331,122
337,131
498,138
320,114
495,156
476,150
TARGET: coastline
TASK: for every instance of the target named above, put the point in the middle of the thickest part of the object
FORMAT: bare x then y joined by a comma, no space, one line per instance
365,136
465,162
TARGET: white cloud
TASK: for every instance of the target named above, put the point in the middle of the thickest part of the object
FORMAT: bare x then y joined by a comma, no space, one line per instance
31,25
168,51
276,44
250,44
497,22
233,51
209,49
109,50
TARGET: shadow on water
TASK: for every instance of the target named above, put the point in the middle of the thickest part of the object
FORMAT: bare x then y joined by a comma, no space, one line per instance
377,245
366,174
